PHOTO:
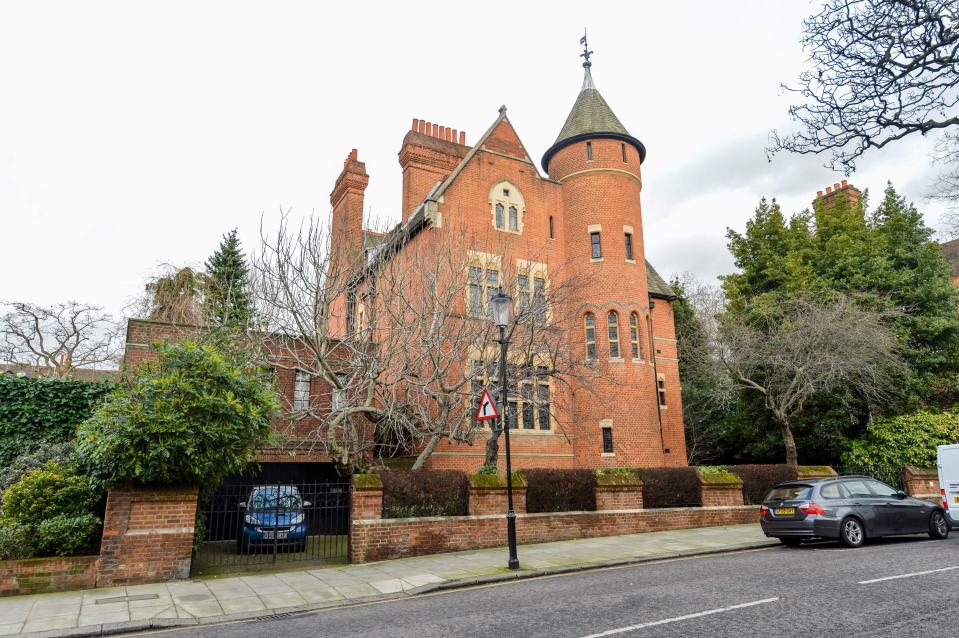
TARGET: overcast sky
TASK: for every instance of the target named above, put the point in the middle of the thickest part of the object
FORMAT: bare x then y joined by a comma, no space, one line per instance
134,133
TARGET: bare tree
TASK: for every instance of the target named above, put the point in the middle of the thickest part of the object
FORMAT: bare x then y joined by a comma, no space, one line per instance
806,348
58,339
391,332
881,70
174,294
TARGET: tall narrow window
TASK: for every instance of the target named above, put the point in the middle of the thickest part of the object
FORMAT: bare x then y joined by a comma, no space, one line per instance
507,207
529,408
552,234
522,282
477,385
661,390
539,299
629,246
301,390
499,216
338,398
590,323
492,284
542,406
634,334
607,440
476,290
596,247
624,153
612,319
511,415
513,219
350,311
589,151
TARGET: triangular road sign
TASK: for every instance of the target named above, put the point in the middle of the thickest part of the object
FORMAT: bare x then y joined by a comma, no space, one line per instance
487,409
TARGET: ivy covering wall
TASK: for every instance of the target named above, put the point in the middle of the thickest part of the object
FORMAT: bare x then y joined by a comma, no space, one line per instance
36,412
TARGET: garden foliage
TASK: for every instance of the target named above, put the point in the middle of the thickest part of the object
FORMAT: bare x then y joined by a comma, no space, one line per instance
909,439
193,417
758,480
549,490
409,493
670,487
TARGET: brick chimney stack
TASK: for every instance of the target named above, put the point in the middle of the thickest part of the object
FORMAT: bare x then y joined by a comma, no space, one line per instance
829,198
346,227
429,154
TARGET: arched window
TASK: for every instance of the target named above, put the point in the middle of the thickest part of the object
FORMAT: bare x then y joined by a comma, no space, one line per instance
589,321
634,335
612,319
507,207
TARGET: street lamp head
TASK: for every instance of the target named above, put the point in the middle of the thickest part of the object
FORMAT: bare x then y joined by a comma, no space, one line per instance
501,304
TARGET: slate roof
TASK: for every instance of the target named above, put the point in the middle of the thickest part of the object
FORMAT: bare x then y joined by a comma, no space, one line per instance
950,250
657,285
591,116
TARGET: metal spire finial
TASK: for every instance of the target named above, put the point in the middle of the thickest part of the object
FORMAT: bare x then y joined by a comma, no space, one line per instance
586,52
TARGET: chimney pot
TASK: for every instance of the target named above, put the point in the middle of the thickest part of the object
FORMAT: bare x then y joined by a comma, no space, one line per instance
449,134
845,183
835,186
428,129
436,130
828,189
416,124
463,138
818,194
453,137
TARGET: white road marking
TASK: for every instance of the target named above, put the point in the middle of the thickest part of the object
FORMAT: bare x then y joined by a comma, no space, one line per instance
931,571
666,621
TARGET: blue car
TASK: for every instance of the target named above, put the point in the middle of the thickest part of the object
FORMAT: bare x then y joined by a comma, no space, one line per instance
273,514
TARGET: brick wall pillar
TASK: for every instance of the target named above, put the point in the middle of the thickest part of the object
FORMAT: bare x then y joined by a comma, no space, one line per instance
723,489
366,503
619,497
921,482
147,535
487,495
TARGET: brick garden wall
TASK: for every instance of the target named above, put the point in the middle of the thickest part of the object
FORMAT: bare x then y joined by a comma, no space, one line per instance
39,575
147,535
384,539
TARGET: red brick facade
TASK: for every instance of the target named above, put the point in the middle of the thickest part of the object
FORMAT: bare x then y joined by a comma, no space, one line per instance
593,185
39,575
147,535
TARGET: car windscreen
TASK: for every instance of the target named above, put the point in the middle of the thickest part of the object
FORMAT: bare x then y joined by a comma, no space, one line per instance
265,500
790,493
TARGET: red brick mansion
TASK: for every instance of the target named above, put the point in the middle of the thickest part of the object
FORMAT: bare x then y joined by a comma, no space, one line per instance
582,215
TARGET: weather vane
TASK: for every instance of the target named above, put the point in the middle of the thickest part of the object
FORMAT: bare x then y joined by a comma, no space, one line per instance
586,52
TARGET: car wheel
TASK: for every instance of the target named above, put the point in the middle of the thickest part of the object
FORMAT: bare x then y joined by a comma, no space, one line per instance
851,532
790,541
938,526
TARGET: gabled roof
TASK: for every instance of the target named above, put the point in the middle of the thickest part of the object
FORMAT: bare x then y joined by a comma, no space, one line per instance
591,117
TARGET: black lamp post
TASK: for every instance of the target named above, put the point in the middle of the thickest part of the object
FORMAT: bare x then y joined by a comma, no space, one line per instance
501,305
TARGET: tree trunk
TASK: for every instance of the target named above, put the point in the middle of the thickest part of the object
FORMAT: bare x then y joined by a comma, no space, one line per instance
791,456
427,451
492,448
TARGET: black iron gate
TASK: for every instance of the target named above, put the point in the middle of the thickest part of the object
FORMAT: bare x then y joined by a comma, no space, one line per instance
251,525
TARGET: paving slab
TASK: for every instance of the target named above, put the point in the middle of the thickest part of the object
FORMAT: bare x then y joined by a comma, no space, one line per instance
206,600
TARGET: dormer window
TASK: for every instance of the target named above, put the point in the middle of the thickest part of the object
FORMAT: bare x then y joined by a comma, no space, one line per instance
507,208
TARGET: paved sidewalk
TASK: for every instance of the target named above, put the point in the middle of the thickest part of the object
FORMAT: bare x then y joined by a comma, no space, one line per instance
119,609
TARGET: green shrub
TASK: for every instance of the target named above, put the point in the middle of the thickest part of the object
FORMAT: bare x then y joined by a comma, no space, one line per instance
487,469
195,416
16,541
758,480
68,535
909,439
47,492
610,476
409,493
38,412
549,490
707,470
670,487
61,453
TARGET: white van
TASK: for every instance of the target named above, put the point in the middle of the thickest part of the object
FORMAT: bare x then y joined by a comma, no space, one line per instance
947,460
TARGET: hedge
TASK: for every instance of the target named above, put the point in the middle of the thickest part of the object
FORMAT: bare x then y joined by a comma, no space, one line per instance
39,412
758,480
549,490
670,487
410,493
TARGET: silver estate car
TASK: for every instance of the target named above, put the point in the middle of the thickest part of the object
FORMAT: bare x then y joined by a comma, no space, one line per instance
848,508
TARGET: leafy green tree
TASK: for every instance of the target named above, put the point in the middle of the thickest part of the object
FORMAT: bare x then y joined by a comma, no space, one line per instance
908,439
195,416
228,299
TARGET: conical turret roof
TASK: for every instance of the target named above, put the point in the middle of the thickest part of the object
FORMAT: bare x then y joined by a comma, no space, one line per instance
591,117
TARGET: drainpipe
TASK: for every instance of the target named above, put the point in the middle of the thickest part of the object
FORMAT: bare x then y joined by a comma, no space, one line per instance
652,347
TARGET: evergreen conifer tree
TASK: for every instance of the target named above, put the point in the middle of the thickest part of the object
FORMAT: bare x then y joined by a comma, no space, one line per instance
228,300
